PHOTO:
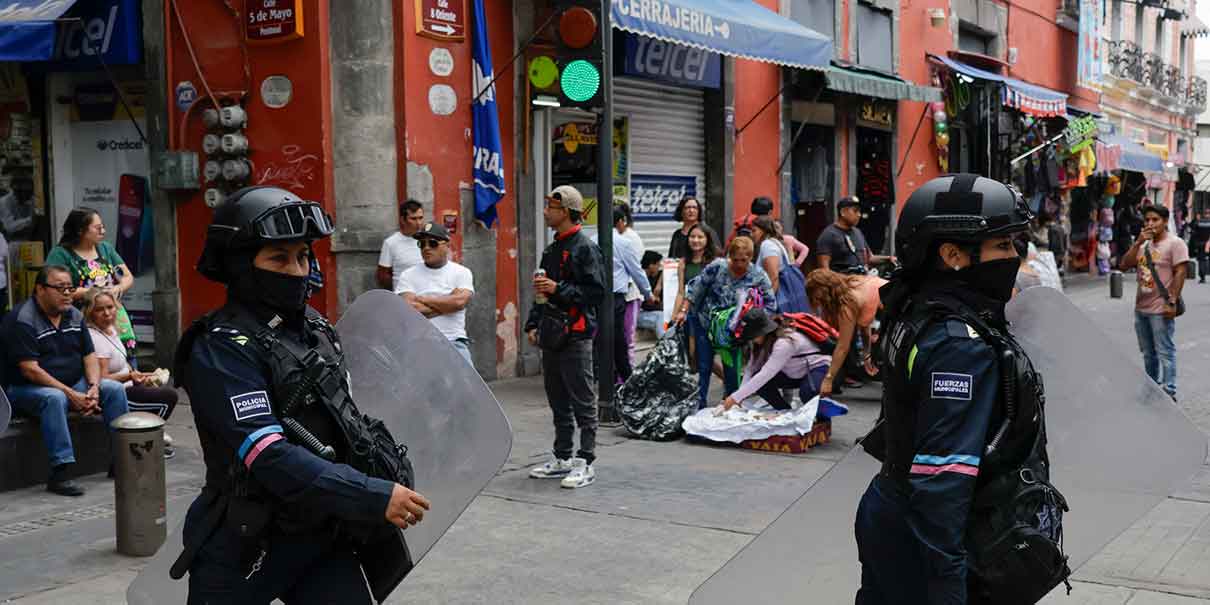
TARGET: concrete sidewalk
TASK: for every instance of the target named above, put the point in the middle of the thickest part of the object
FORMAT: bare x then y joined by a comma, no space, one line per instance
660,519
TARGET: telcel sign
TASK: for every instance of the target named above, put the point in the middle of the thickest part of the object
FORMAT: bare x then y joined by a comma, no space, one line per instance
110,28
655,59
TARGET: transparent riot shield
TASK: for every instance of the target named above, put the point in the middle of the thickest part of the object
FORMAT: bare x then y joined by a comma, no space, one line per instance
404,372
6,411
1102,413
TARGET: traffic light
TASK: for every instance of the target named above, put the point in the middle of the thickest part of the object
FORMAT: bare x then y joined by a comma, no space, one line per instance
572,76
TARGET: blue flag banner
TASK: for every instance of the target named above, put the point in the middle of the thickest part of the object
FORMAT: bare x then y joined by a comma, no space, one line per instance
489,167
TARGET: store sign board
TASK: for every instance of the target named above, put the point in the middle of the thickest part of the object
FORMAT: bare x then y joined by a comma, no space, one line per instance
876,112
274,20
654,197
1080,133
110,28
655,59
441,19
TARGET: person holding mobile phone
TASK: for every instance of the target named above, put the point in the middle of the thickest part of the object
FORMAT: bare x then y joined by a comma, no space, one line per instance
1161,261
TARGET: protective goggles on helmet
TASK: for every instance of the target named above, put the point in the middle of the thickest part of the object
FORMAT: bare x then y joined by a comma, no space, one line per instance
298,220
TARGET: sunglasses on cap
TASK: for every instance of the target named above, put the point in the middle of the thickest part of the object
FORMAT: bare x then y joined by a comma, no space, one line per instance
429,243
293,221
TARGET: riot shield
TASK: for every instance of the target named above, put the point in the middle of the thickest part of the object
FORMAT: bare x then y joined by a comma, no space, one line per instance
6,411
404,372
1102,410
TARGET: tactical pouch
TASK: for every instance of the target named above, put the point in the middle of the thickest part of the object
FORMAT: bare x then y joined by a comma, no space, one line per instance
376,454
1015,539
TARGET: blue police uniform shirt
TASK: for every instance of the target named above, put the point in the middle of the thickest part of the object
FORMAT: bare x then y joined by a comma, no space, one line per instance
59,350
954,376
230,392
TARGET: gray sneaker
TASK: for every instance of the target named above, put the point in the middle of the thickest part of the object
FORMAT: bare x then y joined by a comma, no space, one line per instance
581,474
554,469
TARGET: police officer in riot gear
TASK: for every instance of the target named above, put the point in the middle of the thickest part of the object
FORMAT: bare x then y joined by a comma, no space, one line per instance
305,497
962,406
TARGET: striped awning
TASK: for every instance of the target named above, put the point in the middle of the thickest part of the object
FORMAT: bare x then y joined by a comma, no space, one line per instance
1028,98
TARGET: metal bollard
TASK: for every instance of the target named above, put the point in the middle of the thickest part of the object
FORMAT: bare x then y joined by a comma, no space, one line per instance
139,490
1115,284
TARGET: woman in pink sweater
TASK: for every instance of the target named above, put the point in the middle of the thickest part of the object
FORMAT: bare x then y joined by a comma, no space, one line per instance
782,358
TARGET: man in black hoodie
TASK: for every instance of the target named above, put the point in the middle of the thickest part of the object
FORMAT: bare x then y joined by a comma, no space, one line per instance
563,323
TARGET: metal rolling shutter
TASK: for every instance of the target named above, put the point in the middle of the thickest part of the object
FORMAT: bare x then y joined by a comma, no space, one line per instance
667,138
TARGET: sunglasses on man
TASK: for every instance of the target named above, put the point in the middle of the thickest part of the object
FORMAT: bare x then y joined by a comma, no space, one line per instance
64,290
429,243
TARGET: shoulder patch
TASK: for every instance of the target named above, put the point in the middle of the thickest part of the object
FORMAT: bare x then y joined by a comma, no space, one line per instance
948,385
251,405
240,340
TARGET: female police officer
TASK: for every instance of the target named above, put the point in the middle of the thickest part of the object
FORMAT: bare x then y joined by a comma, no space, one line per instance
951,426
280,514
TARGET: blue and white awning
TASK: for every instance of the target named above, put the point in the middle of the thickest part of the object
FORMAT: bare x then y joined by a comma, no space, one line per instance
27,28
1028,98
737,28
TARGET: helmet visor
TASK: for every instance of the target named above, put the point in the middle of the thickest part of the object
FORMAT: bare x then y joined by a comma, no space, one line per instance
303,220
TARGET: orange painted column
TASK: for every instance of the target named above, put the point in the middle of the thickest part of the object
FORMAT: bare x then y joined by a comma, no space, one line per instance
757,148
289,146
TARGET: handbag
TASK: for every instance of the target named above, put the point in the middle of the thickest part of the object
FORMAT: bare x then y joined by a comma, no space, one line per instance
1159,283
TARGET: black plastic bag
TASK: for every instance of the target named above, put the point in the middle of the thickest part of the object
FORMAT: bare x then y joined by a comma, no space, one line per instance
661,393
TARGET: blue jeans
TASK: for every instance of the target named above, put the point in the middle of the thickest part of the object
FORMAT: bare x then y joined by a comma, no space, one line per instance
50,405
463,346
705,365
1156,334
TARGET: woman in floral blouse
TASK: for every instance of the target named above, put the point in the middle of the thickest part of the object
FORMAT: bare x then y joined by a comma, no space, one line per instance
94,263
718,287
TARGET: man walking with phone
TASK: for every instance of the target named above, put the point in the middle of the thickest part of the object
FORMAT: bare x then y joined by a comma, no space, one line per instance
1160,258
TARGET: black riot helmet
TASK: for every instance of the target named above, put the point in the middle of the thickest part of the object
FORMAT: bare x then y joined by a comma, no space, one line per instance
957,208
253,217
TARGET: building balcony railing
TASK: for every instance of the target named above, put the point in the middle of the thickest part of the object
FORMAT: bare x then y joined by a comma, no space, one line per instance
1151,76
1153,72
1125,60
1196,94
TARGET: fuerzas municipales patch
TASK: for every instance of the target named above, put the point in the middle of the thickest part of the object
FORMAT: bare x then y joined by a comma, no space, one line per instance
251,405
952,386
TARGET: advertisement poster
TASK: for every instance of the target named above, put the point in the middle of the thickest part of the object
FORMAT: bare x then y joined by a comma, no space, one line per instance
654,197
109,167
1091,60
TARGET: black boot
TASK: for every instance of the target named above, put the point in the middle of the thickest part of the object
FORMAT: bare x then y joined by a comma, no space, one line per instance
58,483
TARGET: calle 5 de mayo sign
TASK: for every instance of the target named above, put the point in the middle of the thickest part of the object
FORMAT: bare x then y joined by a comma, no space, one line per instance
274,21
441,19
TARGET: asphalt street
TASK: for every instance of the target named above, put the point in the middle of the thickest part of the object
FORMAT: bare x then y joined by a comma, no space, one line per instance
659,520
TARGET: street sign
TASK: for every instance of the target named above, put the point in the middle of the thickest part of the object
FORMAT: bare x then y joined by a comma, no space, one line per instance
441,19
272,21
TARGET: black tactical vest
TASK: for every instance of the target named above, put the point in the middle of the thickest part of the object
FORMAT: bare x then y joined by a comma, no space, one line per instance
1017,421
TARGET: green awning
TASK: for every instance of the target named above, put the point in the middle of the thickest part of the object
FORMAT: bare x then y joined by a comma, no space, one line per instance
867,84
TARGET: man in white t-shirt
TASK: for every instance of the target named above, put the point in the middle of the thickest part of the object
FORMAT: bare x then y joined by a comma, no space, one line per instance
440,288
399,251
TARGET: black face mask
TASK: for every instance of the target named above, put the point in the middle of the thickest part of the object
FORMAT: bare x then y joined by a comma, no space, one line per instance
279,292
994,279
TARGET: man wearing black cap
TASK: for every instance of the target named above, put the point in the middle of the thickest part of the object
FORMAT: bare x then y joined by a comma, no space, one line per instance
842,246
439,288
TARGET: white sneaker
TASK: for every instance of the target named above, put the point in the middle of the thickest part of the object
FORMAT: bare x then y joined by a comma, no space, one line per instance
581,474
554,469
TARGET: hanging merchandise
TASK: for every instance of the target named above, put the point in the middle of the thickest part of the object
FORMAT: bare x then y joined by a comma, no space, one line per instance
1114,186
941,135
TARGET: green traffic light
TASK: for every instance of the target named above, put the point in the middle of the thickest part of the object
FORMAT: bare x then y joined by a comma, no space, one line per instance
580,80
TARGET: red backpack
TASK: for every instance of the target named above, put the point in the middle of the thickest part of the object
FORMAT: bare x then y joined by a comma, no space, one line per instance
814,328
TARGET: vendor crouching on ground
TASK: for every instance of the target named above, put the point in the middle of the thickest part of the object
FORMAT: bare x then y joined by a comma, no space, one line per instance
781,358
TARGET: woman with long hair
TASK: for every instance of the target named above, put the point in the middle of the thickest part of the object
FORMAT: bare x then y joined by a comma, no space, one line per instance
94,264
689,213
100,313
849,303
774,258
781,358
718,288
